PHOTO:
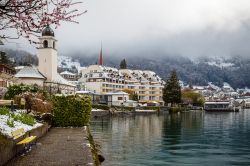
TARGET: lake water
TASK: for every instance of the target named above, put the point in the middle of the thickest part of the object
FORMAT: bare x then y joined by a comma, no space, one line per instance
192,138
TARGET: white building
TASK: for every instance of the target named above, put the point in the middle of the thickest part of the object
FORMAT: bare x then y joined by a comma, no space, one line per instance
102,80
46,74
69,76
118,98
30,75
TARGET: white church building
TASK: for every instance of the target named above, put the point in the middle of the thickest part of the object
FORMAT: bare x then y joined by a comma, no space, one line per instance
46,74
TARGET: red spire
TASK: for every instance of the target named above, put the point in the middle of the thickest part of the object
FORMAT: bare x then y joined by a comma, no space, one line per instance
100,60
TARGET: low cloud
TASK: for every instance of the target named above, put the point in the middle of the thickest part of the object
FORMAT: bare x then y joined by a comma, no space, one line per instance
158,27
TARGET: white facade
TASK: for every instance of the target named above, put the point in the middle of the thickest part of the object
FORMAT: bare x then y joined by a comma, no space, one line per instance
47,57
119,98
102,80
46,75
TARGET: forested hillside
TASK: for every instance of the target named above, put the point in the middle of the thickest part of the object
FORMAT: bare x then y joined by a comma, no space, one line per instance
234,70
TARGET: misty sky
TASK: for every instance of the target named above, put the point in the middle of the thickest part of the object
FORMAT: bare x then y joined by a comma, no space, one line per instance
158,27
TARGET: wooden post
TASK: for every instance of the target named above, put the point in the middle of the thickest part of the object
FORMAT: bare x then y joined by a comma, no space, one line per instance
12,106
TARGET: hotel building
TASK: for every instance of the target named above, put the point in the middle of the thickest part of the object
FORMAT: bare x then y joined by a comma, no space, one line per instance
102,80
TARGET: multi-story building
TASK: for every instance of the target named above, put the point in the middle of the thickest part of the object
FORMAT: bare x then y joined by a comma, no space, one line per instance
102,80
69,76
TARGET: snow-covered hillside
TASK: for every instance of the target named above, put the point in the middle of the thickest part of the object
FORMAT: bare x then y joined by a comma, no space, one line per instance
66,62
221,62
221,65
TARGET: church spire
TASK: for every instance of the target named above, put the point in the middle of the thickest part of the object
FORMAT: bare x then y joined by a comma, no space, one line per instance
100,58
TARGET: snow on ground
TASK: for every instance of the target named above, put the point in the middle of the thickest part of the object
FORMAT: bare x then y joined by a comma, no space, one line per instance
97,110
6,130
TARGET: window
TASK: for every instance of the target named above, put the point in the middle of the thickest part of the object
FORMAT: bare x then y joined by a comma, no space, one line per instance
45,44
119,98
54,45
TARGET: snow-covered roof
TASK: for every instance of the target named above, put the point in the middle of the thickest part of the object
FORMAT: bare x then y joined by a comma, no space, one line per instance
67,73
213,86
29,72
227,86
195,87
217,102
117,93
84,92
131,101
60,80
19,67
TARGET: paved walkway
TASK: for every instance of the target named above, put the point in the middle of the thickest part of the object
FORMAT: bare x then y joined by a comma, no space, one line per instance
60,146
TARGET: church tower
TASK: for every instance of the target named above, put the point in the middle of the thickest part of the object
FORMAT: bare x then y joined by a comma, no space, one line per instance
47,54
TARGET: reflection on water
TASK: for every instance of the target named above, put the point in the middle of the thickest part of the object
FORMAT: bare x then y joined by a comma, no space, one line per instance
192,138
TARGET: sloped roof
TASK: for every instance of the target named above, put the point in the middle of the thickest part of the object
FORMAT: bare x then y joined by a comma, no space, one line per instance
117,93
60,80
67,73
29,72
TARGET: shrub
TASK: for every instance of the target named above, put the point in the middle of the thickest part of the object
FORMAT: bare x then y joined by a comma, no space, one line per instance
23,118
4,111
71,111
10,122
192,97
18,89
26,119
99,106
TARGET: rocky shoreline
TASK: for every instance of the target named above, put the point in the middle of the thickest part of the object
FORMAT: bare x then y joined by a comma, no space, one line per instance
95,113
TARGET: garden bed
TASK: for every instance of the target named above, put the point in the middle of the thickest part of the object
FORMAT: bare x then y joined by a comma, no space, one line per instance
11,121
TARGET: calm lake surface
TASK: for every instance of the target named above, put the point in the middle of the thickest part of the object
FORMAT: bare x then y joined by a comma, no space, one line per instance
192,138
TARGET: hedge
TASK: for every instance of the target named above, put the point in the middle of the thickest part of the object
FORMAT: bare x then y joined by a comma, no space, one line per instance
71,111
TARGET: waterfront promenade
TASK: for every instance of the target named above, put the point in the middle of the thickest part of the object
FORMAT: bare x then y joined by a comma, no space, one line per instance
61,146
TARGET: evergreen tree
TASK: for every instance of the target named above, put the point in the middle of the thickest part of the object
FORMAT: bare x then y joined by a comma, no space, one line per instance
3,58
172,90
123,64
135,97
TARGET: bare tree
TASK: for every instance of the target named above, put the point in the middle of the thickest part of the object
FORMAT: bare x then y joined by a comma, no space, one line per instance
29,17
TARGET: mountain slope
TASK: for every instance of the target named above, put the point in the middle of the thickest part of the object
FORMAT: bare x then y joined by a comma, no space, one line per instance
234,70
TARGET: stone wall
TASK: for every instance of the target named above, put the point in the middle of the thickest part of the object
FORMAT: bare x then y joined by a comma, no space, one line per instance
8,147
100,113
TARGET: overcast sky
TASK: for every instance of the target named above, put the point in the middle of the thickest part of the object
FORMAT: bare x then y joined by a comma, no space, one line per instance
153,27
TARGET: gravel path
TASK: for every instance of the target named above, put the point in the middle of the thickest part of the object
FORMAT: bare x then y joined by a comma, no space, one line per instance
59,147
